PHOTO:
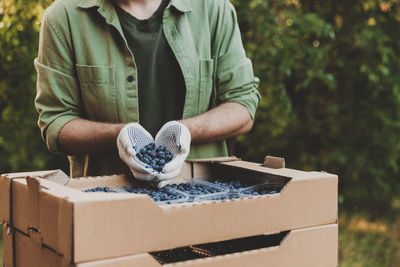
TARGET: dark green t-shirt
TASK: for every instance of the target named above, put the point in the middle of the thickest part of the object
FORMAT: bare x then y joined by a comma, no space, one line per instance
160,80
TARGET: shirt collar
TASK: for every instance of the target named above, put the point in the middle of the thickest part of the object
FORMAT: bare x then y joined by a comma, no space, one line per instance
181,5
89,3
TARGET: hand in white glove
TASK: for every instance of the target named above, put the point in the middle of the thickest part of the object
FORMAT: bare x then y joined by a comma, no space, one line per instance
176,138
131,139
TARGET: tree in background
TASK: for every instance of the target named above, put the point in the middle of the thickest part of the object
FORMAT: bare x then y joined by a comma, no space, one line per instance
331,87
21,147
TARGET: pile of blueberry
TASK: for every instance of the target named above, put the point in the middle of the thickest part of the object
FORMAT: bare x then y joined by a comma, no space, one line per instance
195,189
155,156
162,194
190,192
233,186
99,189
224,197
260,192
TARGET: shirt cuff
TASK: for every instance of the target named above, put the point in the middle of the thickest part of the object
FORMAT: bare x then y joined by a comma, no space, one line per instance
53,131
250,104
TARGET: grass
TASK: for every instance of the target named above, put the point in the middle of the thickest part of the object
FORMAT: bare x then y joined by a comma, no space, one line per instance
361,243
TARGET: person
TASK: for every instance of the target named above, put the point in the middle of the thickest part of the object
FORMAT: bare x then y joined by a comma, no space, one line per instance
106,64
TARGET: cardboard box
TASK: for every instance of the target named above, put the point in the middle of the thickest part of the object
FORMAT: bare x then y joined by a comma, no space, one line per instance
309,247
84,227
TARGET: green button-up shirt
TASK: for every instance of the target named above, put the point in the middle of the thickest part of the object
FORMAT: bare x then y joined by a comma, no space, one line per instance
86,70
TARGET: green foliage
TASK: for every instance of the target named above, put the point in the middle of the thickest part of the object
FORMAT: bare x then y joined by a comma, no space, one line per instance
330,85
21,147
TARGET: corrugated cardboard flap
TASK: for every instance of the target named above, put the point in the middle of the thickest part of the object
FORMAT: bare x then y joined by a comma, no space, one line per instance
283,172
274,162
214,160
40,207
57,176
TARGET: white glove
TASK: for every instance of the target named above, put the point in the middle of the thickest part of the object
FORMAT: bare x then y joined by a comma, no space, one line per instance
131,139
176,138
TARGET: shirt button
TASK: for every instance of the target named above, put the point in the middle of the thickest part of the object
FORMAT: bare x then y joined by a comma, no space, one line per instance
130,78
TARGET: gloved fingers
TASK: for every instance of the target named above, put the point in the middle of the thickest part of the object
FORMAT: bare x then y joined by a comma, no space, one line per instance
124,145
184,139
134,163
174,136
137,135
174,163
163,183
166,128
165,177
143,176
129,141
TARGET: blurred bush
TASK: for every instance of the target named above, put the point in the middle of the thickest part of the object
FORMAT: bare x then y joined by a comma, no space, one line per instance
331,92
330,86
21,147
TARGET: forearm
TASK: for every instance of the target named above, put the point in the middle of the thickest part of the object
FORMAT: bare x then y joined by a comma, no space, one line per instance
225,121
84,137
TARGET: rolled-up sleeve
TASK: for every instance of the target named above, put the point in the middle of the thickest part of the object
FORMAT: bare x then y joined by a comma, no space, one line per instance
58,96
235,78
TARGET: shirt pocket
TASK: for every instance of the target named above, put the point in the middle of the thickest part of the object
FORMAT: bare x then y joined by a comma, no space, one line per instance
98,92
206,84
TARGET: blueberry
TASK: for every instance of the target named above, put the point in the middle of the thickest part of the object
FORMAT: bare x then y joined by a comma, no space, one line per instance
152,145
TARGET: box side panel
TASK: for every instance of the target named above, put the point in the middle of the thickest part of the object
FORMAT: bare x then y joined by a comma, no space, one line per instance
29,252
310,247
24,208
110,228
7,246
34,207
55,217
138,226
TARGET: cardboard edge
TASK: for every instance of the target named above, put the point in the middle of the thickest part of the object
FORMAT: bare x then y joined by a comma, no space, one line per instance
5,199
48,174
34,191
283,172
214,160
